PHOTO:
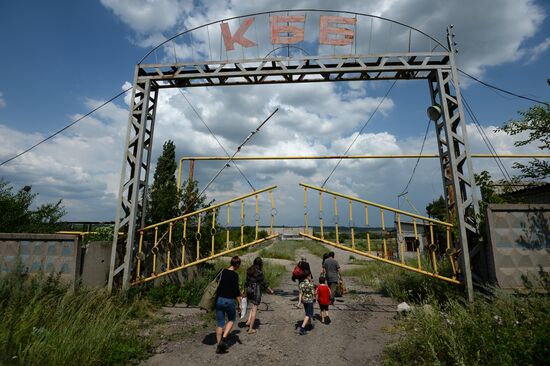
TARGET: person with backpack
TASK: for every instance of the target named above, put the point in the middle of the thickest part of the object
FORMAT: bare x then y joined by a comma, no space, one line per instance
301,271
307,297
255,283
228,291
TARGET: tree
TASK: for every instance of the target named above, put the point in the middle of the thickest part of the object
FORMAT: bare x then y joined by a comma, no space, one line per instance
16,215
437,209
536,122
164,197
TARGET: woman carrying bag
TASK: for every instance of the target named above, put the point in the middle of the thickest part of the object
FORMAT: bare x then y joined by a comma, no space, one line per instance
255,283
228,291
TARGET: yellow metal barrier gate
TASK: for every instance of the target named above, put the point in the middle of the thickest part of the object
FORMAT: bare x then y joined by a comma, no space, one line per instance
162,246
444,267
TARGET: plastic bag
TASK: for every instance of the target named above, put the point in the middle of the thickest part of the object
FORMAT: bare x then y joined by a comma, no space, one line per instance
244,304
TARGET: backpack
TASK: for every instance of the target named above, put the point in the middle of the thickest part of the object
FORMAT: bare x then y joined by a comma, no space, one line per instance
298,272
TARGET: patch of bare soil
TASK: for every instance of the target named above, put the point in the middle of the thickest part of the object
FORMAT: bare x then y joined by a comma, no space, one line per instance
357,333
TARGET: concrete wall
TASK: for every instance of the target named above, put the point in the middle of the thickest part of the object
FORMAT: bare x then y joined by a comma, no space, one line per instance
95,266
47,252
519,242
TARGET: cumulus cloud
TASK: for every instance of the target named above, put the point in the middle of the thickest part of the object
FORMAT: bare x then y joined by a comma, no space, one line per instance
83,165
145,16
2,101
535,52
487,35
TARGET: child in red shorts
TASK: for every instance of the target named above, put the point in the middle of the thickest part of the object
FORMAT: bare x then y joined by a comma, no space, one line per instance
323,298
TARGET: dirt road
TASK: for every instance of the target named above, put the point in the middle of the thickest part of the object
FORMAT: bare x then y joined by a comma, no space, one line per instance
356,335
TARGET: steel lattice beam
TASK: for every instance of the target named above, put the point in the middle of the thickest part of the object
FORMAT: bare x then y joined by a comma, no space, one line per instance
437,67
296,69
456,166
134,178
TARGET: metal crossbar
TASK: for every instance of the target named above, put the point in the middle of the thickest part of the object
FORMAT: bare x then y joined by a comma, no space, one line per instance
427,258
163,246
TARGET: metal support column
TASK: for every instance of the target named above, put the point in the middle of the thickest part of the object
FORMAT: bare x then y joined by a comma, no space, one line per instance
456,166
134,178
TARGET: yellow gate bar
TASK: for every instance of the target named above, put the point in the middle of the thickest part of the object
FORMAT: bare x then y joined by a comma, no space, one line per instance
209,208
377,205
339,246
154,276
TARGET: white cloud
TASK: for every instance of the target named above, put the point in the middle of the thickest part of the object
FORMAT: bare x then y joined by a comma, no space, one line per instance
487,35
83,165
535,52
145,16
2,101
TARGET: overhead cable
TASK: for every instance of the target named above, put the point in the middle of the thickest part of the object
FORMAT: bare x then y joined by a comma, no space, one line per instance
486,140
404,191
250,135
503,90
215,138
359,134
66,127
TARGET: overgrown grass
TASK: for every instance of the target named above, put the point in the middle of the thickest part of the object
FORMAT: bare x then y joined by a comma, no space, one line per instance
403,285
287,249
502,328
506,329
42,322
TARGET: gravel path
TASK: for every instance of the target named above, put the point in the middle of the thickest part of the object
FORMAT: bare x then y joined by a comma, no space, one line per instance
357,334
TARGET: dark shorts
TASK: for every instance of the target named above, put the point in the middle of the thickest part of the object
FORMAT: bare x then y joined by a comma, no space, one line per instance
323,307
308,307
225,306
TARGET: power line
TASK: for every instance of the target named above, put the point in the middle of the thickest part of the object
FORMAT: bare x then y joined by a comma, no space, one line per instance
66,127
486,140
359,134
417,160
250,135
503,90
216,138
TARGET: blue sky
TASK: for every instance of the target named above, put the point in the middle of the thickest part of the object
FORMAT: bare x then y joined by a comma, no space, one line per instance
62,58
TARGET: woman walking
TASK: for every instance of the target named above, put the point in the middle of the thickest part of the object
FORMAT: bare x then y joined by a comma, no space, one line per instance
228,292
255,283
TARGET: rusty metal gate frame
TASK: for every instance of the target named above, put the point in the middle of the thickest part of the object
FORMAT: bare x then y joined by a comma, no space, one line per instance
438,68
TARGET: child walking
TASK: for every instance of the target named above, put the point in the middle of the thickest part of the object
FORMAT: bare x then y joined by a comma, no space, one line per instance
323,298
307,297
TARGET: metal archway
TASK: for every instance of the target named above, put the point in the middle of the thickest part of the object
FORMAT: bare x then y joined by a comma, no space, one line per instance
436,66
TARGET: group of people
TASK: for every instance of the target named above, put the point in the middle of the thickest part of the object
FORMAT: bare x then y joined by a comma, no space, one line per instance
324,293
229,299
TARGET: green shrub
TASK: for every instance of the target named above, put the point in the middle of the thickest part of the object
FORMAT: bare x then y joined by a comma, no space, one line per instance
404,285
42,322
191,292
504,330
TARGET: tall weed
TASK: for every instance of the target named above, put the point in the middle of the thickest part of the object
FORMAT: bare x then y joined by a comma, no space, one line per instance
42,322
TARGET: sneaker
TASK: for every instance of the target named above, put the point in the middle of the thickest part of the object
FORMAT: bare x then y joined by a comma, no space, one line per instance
222,346
302,331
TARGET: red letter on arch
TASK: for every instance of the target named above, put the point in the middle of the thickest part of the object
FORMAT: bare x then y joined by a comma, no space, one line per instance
229,40
295,34
347,34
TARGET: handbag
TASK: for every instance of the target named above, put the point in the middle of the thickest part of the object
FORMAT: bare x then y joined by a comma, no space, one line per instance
208,299
340,289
